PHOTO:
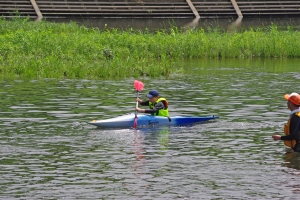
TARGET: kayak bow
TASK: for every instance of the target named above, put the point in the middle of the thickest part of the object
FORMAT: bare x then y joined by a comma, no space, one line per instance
127,121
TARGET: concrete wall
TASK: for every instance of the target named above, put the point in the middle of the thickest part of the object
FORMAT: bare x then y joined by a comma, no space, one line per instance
148,8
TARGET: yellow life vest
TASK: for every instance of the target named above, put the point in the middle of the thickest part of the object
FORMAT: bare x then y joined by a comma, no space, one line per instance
161,112
289,143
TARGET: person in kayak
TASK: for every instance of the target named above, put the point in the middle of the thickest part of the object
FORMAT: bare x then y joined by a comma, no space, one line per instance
158,105
292,128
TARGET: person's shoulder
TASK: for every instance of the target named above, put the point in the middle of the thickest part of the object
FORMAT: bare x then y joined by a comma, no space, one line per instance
296,116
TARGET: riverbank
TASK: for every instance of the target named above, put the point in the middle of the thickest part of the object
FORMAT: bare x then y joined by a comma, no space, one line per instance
58,50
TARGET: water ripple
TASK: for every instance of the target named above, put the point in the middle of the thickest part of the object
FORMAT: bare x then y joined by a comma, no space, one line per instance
48,151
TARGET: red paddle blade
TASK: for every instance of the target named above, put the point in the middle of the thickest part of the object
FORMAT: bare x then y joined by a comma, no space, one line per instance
135,122
139,86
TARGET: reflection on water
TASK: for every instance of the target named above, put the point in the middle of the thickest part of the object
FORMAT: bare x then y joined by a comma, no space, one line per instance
292,160
208,24
48,151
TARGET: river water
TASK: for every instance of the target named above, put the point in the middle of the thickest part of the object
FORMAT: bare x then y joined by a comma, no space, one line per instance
48,151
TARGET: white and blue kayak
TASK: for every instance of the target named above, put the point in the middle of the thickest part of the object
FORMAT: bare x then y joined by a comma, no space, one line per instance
127,121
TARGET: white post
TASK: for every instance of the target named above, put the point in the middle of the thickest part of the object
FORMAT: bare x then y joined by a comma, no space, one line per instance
36,8
193,8
237,9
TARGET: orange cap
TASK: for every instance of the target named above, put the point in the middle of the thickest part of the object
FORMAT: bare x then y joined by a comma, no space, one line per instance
294,98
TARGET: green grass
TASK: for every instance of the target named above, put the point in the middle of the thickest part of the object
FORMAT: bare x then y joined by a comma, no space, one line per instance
42,49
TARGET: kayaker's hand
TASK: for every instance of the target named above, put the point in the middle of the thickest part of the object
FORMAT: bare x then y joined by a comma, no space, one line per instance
139,100
276,137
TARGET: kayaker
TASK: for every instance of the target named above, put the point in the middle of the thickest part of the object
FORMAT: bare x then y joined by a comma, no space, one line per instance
158,105
292,128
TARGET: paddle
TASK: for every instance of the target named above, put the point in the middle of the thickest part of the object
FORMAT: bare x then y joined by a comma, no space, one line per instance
139,86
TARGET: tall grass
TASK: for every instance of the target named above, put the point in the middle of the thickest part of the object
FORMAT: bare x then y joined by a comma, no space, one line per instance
56,50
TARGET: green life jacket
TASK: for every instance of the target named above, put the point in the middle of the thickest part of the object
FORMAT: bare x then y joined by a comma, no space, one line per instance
161,112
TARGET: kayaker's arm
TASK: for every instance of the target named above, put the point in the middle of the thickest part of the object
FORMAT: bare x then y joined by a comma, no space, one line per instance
157,107
144,103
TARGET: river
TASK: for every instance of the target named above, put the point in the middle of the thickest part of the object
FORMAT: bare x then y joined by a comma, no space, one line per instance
48,151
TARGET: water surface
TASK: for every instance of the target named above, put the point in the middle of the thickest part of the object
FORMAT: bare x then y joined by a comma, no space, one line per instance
48,151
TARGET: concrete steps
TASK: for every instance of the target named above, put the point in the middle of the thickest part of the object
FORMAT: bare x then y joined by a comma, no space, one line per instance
9,8
147,8
269,7
214,8
98,8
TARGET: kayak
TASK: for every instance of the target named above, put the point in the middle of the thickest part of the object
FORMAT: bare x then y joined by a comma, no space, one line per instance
143,120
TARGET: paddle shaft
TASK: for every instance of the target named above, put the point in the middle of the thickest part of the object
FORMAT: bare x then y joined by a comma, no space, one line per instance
137,103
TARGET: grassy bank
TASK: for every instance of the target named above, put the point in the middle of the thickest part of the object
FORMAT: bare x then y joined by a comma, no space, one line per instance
31,49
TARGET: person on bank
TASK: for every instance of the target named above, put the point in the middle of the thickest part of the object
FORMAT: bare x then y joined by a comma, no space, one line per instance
292,128
158,106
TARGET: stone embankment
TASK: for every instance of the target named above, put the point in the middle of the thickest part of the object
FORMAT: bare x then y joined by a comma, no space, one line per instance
148,8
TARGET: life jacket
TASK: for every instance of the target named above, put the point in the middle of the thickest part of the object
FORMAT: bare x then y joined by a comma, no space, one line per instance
161,112
290,143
